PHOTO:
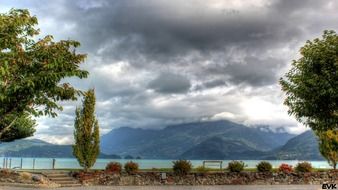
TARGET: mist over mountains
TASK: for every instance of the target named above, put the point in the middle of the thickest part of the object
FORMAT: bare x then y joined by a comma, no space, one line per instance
219,140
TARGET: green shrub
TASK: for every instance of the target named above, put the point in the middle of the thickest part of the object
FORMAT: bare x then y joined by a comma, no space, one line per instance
236,166
131,167
303,167
114,167
182,167
264,166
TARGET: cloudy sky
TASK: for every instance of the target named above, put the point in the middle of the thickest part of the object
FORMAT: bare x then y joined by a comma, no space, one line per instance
156,62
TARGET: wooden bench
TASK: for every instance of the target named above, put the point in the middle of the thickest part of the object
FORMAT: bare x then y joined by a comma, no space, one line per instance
218,163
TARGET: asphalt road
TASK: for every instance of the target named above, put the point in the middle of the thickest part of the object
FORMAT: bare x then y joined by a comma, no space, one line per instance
221,187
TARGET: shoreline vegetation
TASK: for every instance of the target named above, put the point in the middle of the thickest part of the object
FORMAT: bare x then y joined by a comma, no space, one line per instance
182,173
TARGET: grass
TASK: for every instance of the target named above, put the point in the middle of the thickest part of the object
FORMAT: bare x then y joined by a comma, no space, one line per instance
321,169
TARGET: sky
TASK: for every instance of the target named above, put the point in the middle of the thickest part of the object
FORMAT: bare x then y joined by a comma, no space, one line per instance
155,63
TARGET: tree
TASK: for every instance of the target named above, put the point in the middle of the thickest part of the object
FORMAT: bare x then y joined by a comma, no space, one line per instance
31,70
311,85
86,134
328,146
22,127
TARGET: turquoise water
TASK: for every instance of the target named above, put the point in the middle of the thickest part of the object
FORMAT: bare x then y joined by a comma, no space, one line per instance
70,163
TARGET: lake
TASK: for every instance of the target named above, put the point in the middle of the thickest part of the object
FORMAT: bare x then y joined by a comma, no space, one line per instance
71,163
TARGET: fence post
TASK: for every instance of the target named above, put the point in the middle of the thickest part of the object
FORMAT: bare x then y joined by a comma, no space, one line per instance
10,163
3,163
53,164
33,163
21,164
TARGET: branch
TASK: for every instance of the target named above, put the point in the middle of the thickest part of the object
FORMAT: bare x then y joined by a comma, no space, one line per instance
7,127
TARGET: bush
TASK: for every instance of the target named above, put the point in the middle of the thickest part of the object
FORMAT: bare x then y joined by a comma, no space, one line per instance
182,167
5,172
131,167
26,175
264,166
236,166
303,167
114,167
285,168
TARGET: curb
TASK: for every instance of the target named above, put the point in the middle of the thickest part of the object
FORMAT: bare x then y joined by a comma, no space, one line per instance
27,185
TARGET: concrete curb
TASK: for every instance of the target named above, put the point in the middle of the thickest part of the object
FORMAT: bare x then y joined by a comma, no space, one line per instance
27,185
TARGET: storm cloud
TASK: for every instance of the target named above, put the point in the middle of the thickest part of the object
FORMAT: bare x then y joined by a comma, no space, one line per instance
156,62
170,83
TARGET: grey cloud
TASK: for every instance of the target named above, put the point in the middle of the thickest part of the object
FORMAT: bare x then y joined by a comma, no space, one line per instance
148,32
214,83
156,33
145,33
170,83
252,71
156,30
211,84
289,6
144,111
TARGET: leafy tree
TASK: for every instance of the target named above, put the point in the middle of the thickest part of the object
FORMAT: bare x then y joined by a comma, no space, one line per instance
311,85
21,127
31,71
328,146
86,134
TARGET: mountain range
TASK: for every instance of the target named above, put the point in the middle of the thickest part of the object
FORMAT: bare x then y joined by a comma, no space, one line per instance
303,147
223,140
211,140
39,148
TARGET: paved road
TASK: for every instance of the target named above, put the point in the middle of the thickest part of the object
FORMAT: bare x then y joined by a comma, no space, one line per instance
226,187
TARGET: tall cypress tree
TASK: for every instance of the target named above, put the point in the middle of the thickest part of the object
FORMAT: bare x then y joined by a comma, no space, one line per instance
86,134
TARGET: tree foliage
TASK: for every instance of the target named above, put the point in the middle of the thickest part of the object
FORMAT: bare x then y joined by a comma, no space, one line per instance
31,70
21,127
86,134
328,146
311,85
